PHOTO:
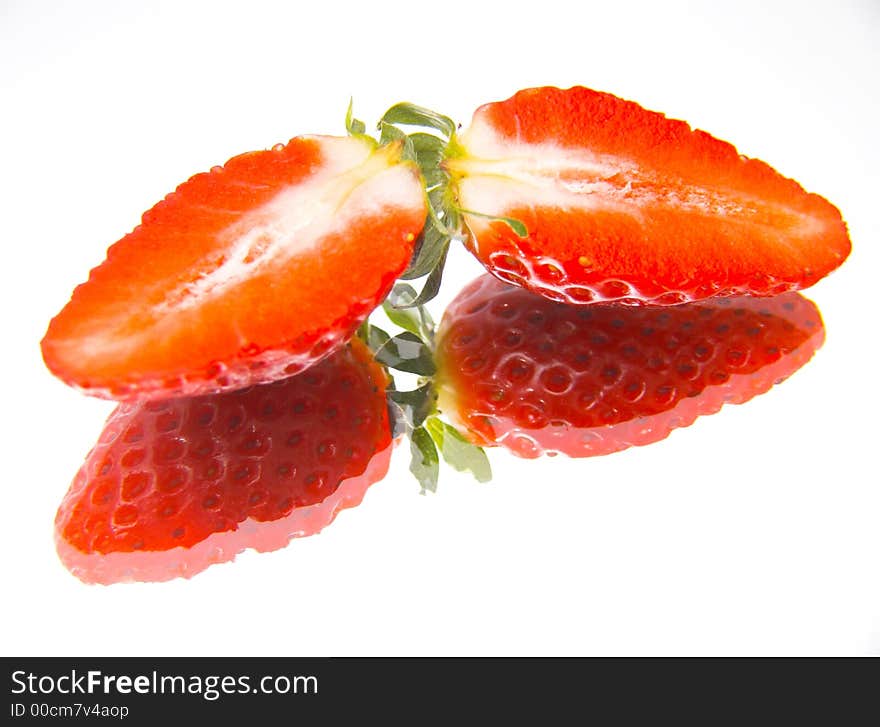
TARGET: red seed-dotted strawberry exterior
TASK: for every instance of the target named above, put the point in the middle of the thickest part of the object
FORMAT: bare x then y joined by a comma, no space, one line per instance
174,486
536,376
622,203
245,274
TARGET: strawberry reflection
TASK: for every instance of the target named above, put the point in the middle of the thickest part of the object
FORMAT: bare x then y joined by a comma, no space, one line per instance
535,376
175,486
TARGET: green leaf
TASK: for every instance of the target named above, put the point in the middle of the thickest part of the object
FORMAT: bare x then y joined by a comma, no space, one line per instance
363,332
406,309
375,337
417,251
428,145
401,296
397,417
391,133
430,289
516,225
434,176
437,198
458,452
429,150
431,250
352,125
434,210
440,205
412,115
425,463
405,317
416,405
407,352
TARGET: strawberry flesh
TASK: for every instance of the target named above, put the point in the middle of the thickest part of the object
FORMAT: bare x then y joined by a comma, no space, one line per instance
536,376
173,486
246,274
622,203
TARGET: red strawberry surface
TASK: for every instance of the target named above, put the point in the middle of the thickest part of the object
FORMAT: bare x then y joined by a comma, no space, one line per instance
245,274
622,203
174,486
535,376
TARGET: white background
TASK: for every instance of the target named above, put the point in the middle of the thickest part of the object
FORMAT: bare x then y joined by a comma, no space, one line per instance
752,532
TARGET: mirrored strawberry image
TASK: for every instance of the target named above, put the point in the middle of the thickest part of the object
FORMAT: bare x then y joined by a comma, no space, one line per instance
522,372
174,486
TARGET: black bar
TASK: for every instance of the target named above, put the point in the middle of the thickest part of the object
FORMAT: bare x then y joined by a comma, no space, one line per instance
258,691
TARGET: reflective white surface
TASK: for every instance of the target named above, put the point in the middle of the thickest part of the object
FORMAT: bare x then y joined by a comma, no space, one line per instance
752,532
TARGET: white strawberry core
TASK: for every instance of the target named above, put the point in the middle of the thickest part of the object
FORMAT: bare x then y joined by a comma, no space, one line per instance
353,181
499,174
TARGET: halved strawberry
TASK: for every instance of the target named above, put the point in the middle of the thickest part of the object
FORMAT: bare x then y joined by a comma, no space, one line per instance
247,273
174,486
621,203
535,376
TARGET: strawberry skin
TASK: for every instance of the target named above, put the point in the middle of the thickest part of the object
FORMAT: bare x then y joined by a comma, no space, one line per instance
174,486
245,274
621,203
535,376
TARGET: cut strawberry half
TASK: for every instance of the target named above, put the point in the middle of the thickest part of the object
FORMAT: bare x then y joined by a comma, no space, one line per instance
621,203
174,486
536,376
250,272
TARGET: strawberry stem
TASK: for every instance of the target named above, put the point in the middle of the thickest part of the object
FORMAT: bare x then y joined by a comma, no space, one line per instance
414,412
354,127
429,147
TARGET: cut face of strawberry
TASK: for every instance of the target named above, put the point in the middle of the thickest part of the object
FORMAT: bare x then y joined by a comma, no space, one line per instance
621,203
174,486
535,376
245,274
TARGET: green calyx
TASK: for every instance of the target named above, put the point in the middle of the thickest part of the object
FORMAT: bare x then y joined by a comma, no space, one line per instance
413,412
428,139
